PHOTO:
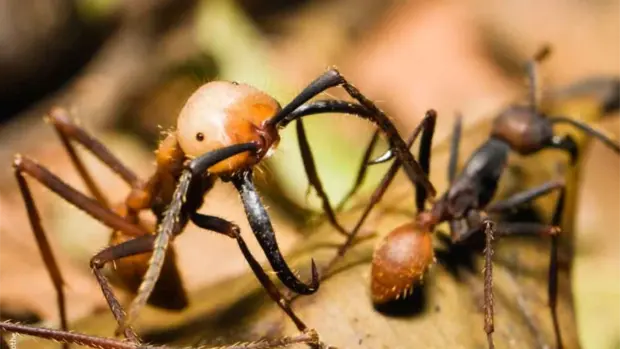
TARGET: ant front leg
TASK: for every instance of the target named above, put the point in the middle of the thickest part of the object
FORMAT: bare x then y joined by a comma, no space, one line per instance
173,221
230,229
137,246
145,244
332,78
489,312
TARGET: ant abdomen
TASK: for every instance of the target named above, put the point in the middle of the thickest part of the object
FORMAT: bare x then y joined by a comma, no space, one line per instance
399,262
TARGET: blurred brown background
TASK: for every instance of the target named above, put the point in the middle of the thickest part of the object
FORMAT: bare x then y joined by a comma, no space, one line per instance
124,69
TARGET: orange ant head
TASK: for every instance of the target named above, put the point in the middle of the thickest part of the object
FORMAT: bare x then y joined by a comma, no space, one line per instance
399,262
221,114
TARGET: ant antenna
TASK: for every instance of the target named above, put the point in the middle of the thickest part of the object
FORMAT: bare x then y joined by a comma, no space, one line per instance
608,141
532,74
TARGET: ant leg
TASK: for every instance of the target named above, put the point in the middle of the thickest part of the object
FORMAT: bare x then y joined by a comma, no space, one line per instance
489,326
455,145
66,337
145,244
139,245
337,106
363,169
517,199
552,290
23,165
553,230
605,89
427,126
142,192
479,219
173,222
379,192
230,229
567,144
309,337
525,196
263,230
607,140
67,130
424,155
332,78
313,176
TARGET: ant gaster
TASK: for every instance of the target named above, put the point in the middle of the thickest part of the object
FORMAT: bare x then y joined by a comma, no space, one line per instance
222,132
401,259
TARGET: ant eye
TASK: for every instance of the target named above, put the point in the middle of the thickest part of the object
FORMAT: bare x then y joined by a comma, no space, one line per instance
200,136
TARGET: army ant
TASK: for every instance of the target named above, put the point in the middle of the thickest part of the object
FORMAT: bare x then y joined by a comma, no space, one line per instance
401,259
223,131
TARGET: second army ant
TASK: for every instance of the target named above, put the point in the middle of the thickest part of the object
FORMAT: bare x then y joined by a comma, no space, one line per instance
402,258
224,130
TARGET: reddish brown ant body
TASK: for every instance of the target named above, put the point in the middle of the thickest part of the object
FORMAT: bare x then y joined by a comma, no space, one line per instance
224,130
401,259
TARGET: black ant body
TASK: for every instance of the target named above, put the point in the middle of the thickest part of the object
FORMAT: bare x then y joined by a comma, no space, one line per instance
224,130
401,259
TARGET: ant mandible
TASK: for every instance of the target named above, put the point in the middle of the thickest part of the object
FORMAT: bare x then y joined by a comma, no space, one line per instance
401,259
224,130
309,337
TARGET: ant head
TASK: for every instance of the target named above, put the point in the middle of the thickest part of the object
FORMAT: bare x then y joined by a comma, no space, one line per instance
524,128
399,262
221,114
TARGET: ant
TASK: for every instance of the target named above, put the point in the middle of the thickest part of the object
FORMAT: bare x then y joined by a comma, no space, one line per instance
309,337
401,259
223,131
